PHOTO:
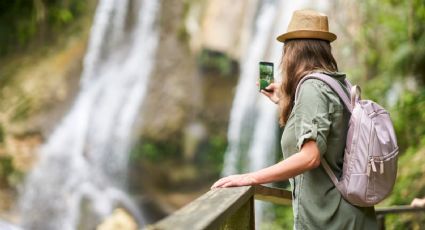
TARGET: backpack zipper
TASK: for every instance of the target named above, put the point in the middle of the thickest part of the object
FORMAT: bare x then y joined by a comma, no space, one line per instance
372,165
372,162
368,169
385,157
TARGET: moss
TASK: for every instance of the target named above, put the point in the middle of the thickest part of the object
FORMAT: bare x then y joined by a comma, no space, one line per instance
182,33
25,23
6,166
155,151
22,109
6,169
2,134
214,61
209,156
212,154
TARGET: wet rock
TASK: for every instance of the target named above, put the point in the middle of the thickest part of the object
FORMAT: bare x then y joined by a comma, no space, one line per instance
23,150
222,26
194,134
120,219
173,92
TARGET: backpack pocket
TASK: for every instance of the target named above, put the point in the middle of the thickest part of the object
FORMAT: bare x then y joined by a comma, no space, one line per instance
367,189
357,188
382,179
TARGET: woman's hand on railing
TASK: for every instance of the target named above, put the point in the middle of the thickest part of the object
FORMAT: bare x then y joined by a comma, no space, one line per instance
272,92
235,181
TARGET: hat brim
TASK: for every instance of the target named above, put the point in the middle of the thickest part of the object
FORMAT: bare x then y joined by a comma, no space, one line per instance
308,34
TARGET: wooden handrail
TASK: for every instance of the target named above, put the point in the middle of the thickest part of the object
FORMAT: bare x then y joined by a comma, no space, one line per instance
233,208
382,212
226,208
398,209
274,195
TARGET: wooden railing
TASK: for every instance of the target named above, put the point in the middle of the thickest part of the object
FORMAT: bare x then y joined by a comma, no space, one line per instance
382,212
233,208
226,208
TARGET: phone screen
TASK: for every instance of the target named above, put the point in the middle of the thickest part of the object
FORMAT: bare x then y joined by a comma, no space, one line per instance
266,74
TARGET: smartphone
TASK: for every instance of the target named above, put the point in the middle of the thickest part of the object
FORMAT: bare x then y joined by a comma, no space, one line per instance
266,75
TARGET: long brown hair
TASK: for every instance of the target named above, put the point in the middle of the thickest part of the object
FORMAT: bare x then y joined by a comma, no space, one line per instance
299,58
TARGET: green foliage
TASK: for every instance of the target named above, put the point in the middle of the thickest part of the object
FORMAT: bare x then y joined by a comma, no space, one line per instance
393,51
284,216
6,167
22,109
213,153
2,134
209,154
392,39
9,176
392,44
25,22
155,151
216,62
61,16
409,171
140,151
283,219
410,184
408,115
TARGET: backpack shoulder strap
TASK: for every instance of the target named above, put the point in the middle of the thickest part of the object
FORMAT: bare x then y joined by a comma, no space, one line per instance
337,88
329,171
331,82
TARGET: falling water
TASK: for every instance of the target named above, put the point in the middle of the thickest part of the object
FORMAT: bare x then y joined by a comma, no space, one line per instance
252,129
252,133
244,111
81,171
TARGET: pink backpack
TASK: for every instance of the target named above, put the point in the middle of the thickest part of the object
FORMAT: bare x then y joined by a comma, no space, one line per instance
370,160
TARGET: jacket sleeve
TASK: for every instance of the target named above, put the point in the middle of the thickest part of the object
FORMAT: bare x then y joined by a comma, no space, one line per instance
312,115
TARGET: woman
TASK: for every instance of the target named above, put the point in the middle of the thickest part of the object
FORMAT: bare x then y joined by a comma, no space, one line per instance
314,127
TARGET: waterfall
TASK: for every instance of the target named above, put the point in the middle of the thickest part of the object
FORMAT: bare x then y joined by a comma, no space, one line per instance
82,167
244,111
252,133
252,126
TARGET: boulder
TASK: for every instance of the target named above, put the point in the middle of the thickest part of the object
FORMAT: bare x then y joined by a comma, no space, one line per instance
119,219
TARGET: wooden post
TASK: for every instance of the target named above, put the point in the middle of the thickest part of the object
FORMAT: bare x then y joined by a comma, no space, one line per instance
381,212
381,222
252,213
242,219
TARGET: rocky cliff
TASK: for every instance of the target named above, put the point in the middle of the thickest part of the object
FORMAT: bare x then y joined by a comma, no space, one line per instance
187,106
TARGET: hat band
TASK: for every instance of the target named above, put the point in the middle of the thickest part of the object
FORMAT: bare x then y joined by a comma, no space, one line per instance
306,34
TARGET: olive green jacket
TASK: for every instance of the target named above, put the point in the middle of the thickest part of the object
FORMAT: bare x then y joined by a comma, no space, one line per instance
319,115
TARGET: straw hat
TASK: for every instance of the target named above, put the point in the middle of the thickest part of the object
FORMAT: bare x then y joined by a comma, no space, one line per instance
308,24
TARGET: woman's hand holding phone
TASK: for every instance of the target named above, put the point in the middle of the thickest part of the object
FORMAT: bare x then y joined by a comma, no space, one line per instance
272,91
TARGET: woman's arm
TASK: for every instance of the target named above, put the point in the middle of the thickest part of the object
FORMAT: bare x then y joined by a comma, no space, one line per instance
308,158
